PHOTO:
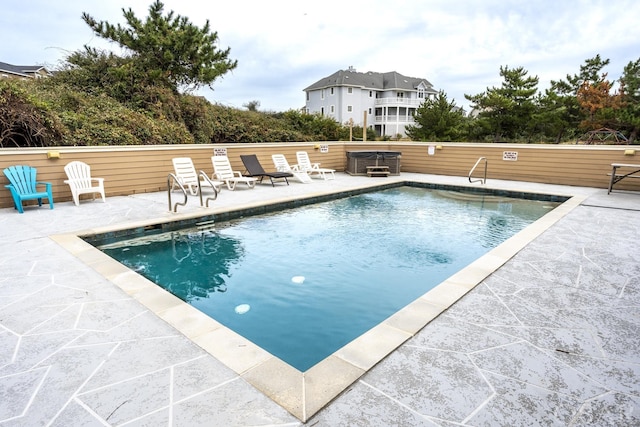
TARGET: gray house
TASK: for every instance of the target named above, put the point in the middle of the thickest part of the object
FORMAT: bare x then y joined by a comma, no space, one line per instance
384,101
8,71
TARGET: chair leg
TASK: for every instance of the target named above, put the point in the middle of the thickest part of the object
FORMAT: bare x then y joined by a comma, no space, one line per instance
17,203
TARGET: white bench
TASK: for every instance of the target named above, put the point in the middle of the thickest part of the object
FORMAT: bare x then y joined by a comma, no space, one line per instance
617,176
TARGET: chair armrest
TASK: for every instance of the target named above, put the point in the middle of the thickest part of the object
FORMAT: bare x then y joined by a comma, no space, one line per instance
237,173
98,180
47,184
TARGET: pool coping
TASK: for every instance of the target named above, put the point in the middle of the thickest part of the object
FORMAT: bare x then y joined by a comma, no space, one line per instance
303,393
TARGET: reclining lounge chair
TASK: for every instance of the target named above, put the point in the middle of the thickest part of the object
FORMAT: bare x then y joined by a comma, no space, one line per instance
305,165
255,169
222,171
186,174
282,165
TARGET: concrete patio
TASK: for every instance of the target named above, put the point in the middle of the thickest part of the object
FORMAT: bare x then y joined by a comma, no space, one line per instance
550,338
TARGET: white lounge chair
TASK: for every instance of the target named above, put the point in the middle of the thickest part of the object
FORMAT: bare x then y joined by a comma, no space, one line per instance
222,171
305,165
186,175
282,165
81,182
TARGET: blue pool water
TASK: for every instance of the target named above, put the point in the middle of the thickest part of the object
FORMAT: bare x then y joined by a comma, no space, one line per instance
301,283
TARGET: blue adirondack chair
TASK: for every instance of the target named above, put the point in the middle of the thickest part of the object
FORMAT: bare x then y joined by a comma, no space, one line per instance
23,186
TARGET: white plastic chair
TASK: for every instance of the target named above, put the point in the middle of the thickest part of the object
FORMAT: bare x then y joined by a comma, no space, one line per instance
305,165
81,182
282,165
187,175
222,170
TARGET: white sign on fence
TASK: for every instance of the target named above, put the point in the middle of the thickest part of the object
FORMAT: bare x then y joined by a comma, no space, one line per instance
324,148
510,155
219,151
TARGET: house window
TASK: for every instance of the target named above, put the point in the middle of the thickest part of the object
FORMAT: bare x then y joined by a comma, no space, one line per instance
349,108
322,94
370,94
369,110
332,109
307,96
322,111
349,90
331,91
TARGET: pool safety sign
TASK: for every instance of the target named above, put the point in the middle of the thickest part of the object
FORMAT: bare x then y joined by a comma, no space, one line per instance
220,151
510,155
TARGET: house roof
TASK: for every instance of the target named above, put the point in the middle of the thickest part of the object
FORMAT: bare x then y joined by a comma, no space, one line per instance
370,80
22,70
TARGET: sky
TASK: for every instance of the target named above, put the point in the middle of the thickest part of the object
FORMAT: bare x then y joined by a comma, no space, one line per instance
283,46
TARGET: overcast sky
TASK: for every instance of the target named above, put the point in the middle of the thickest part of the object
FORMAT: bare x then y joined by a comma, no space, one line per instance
284,46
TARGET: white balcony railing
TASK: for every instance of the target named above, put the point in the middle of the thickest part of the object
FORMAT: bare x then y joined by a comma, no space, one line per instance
399,102
394,119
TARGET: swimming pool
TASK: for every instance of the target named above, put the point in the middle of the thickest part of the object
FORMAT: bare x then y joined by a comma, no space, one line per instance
388,247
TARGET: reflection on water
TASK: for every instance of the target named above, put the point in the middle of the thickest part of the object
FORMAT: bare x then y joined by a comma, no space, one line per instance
190,264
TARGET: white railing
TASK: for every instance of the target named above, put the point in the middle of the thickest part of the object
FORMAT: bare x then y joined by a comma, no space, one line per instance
482,180
401,102
392,118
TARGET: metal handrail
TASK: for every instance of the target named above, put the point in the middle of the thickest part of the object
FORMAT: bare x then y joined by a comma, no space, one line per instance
481,180
170,185
203,174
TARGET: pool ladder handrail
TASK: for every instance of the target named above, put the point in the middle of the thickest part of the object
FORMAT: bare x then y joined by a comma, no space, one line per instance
481,180
172,181
208,180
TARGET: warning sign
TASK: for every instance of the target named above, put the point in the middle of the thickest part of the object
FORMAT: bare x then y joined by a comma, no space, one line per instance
510,155
219,151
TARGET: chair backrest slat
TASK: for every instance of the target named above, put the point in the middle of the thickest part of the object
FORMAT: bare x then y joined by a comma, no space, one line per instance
281,163
185,170
80,173
23,178
222,167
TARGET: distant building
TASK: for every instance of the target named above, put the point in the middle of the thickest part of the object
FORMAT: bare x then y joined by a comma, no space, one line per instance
8,71
388,100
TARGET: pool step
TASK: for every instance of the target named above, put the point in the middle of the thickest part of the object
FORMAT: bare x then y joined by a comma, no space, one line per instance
475,197
206,225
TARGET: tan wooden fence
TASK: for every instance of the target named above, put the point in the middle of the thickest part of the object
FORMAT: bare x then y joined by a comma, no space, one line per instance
141,169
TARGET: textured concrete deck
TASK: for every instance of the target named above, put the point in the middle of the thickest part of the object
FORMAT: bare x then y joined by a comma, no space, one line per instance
550,338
